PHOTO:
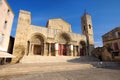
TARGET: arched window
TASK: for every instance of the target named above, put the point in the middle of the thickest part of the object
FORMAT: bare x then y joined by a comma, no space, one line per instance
89,26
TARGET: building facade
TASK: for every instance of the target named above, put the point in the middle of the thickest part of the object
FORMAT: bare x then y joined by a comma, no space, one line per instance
6,20
56,39
112,39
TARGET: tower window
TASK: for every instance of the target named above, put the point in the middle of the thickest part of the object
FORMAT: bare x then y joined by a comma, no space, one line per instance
8,12
84,28
89,26
5,25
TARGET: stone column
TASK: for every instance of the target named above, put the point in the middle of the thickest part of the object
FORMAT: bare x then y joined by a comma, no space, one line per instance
56,49
71,50
86,51
28,46
49,49
32,53
68,50
75,51
26,49
45,52
30,49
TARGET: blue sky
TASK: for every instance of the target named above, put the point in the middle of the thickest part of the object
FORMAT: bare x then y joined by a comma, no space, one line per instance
105,13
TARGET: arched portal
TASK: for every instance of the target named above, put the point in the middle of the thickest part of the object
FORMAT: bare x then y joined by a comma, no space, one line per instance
82,48
64,40
36,45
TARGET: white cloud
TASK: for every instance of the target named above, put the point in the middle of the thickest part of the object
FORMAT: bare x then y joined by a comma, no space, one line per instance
98,44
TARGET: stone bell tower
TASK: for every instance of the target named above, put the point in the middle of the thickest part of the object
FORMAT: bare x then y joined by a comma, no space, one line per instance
20,45
87,30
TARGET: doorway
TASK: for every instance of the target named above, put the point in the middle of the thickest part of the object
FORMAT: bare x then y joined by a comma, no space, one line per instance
62,50
37,49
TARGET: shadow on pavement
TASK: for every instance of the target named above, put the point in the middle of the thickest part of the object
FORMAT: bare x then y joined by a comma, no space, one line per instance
96,63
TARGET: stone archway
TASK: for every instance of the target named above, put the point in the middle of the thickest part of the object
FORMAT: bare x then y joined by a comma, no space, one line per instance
36,45
65,38
82,48
64,46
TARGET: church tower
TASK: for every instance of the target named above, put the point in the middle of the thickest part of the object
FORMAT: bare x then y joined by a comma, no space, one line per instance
20,44
87,30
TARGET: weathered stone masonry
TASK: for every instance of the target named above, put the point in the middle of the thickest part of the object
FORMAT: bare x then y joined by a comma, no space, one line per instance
57,39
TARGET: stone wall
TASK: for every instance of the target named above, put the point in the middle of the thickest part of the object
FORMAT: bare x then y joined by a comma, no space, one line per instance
102,53
25,32
59,24
20,45
6,20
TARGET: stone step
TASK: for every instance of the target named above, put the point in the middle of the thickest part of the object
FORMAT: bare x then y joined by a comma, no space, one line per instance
24,68
47,59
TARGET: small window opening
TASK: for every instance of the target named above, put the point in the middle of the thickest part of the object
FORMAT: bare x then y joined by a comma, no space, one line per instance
5,25
89,26
8,12
84,28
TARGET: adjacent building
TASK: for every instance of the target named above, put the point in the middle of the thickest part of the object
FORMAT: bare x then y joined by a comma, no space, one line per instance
56,39
6,20
112,40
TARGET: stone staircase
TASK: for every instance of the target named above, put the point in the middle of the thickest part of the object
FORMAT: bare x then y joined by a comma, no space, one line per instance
52,59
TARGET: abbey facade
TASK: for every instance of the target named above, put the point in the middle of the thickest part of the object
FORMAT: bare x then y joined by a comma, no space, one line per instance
56,39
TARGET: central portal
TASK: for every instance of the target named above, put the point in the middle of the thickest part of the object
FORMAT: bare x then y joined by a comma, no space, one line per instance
37,49
62,49
64,42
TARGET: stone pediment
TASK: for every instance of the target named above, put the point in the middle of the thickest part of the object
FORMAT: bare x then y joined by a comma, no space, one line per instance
59,24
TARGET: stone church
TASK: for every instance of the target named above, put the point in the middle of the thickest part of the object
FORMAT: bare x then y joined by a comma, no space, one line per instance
56,39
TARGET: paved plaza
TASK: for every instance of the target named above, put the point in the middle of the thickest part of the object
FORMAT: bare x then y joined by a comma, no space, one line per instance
61,71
